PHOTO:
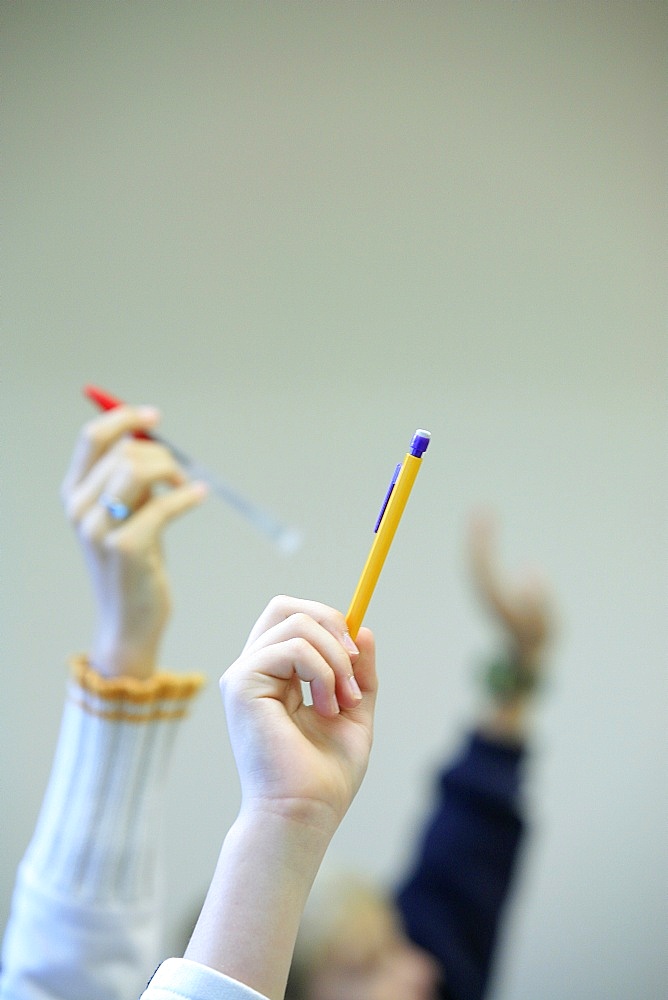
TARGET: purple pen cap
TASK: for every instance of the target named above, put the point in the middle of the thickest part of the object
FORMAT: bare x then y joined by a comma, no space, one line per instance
419,443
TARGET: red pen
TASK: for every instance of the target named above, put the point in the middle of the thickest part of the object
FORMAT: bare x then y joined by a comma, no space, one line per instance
287,539
108,402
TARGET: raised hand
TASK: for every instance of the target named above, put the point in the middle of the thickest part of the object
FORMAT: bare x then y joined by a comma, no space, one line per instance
120,492
292,755
300,766
523,606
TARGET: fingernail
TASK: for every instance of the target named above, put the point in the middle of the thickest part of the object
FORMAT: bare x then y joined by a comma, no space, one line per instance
149,413
200,488
349,645
354,688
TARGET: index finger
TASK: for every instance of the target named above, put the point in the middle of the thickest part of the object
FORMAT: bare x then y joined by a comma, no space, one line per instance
99,434
280,608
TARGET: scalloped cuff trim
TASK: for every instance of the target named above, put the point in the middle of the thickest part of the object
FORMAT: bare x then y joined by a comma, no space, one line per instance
163,696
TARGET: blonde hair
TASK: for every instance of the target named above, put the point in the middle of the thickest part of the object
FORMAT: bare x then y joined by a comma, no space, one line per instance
345,919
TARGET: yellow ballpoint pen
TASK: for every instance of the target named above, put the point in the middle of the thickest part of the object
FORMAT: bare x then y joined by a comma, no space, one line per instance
386,525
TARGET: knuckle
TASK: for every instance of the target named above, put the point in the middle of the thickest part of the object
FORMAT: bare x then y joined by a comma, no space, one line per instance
279,605
127,452
92,434
136,448
229,682
72,505
69,506
301,620
300,647
132,468
90,527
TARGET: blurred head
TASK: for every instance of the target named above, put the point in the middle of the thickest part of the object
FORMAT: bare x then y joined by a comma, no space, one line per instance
351,945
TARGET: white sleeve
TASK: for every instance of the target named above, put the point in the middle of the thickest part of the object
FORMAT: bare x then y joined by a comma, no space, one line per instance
85,921
181,979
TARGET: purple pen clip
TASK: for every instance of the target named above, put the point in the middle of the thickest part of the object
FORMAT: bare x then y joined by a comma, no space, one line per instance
418,446
387,497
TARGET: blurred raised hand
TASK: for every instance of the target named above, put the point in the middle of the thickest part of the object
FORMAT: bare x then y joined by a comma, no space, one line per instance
120,492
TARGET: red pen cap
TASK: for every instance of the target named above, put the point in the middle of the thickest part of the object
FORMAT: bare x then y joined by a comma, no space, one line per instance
107,402
101,398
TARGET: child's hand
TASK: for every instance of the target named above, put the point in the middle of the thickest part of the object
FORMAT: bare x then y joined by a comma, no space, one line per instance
110,496
297,760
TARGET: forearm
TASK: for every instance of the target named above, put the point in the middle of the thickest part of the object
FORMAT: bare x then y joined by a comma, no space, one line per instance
249,922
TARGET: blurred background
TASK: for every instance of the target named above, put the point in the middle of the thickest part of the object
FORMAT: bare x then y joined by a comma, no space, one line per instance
303,230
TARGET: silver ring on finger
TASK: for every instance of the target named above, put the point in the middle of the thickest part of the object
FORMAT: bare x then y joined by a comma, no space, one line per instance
116,509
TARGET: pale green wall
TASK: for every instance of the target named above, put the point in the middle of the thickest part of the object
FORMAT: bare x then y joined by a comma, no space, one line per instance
304,230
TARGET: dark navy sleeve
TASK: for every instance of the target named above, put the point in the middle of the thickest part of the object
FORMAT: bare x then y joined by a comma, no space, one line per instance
453,899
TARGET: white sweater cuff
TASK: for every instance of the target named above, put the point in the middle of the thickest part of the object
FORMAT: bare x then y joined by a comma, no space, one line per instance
181,979
85,918
96,838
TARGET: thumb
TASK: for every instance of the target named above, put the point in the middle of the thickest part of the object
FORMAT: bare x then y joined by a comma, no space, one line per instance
365,665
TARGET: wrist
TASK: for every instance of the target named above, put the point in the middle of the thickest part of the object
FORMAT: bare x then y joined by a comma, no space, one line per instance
303,825
113,658
507,721
512,678
510,684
